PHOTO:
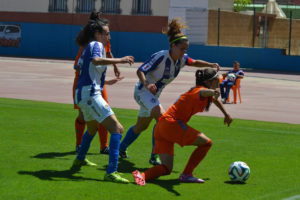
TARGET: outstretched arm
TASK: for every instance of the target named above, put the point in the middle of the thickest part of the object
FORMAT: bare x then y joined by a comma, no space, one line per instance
109,61
202,63
227,118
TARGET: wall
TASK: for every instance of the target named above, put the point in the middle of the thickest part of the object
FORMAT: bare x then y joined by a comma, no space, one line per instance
131,35
24,5
237,30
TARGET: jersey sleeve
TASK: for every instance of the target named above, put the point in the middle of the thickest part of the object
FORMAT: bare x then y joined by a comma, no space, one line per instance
97,50
188,61
152,63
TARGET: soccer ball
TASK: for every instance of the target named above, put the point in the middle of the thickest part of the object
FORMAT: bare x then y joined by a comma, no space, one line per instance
239,171
231,77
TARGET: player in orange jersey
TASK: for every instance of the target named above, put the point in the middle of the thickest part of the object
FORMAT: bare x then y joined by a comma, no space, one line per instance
172,128
79,122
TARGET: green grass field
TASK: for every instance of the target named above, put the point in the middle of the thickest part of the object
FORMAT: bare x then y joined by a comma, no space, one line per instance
37,143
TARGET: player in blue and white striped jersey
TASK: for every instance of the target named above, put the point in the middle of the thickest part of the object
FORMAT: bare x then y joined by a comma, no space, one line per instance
93,64
157,72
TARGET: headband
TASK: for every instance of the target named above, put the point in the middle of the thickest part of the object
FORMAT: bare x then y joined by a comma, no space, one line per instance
212,77
181,37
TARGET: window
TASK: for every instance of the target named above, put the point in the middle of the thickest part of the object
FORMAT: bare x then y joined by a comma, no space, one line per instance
58,6
141,7
110,6
85,6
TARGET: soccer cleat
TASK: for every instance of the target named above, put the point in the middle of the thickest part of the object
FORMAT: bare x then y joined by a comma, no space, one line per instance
115,177
154,160
138,178
189,179
77,148
77,164
123,154
104,151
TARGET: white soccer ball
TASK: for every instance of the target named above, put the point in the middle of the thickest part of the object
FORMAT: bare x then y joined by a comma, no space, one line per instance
239,171
231,77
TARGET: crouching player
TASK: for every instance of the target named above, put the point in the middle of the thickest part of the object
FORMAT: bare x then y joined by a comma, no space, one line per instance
172,128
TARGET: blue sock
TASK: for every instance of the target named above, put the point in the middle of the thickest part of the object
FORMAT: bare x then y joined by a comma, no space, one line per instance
130,137
114,145
153,141
85,145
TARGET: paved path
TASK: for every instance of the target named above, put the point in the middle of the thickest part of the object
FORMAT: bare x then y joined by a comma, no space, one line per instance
265,96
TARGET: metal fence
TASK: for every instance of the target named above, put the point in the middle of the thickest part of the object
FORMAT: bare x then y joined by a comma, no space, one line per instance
256,28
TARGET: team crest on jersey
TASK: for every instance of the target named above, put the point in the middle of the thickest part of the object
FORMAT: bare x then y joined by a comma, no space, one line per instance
153,100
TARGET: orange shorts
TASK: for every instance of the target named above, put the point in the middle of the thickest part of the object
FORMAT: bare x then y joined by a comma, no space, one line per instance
169,131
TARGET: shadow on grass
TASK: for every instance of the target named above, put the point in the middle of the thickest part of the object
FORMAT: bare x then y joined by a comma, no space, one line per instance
51,174
167,184
57,154
234,182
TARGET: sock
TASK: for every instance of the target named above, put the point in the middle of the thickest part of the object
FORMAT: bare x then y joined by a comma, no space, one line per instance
79,129
130,137
85,145
114,146
153,141
155,172
103,136
196,157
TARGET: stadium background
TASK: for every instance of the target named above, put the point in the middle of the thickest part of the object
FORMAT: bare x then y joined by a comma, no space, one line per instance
48,30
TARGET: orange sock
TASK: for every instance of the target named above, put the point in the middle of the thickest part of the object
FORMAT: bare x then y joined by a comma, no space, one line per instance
103,136
79,129
196,157
155,172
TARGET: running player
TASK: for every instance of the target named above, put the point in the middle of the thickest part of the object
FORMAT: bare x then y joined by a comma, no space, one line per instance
95,109
79,122
158,71
172,128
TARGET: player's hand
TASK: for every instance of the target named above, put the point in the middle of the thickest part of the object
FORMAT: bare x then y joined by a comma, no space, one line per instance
215,65
117,71
127,59
152,88
227,120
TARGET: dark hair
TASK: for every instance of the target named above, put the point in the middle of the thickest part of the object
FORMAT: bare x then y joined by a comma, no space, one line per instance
204,75
174,32
94,16
87,33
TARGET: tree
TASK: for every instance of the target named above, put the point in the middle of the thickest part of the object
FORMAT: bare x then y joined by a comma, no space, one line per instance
240,4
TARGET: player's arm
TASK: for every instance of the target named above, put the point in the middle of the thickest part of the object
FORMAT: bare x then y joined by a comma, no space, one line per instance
111,61
151,87
201,63
116,69
227,117
114,80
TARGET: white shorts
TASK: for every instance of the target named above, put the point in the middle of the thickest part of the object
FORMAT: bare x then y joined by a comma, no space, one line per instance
146,100
95,108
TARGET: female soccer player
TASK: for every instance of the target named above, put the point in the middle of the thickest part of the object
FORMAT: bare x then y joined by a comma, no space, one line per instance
95,109
79,122
158,71
172,128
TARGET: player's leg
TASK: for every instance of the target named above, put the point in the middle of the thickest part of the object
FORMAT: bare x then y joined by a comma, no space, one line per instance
79,129
156,112
112,124
103,133
85,145
203,144
133,133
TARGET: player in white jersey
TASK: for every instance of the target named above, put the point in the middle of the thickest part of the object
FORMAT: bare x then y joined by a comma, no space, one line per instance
158,71
92,62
